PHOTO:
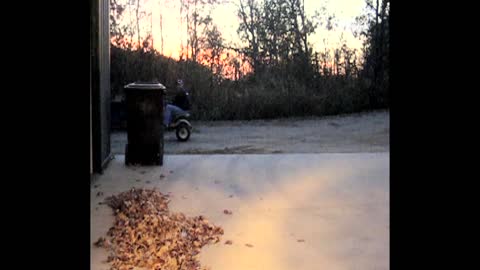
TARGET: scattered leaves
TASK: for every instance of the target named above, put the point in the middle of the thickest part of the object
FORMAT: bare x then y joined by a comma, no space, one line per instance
227,212
147,235
249,245
300,240
228,242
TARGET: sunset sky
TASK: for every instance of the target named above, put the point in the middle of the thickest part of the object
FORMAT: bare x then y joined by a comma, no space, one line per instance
225,17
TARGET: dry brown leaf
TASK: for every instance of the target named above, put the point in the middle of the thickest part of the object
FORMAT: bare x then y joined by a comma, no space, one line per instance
100,242
227,212
228,242
300,240
249,245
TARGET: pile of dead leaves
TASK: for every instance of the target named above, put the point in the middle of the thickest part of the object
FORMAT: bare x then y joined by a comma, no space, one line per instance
147,235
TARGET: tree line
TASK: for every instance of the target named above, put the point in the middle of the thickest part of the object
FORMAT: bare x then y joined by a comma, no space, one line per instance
273,72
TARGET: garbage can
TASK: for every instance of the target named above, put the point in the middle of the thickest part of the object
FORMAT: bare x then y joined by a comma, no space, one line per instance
144,123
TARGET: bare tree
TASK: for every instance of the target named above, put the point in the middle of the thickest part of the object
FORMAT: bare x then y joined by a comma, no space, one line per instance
161,33
375,30
250,23
137,10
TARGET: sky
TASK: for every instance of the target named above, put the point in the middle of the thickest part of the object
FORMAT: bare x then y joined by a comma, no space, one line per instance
225,17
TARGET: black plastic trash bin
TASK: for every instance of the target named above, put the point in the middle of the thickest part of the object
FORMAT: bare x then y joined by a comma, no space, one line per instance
144,123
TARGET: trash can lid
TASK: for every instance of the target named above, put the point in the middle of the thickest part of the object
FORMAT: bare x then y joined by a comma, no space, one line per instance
146,86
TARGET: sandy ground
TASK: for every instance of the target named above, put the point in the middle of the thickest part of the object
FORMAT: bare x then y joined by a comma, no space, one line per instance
354,133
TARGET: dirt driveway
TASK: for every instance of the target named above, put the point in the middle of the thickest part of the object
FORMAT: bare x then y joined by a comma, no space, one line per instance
354,133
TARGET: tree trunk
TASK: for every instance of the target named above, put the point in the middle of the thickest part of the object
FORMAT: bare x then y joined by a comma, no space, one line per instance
151,28
138,23
161,33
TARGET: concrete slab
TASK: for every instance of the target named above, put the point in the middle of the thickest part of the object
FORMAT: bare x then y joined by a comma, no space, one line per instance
337,203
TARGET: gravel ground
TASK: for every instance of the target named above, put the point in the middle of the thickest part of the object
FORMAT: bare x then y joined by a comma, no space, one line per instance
353,133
